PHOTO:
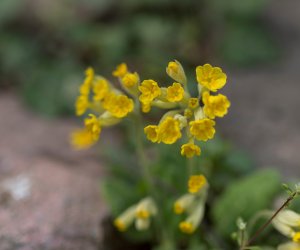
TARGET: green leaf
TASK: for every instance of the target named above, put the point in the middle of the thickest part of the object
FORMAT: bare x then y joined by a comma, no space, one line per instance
244,198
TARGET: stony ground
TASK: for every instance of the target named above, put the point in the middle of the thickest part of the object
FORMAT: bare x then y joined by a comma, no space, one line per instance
49,194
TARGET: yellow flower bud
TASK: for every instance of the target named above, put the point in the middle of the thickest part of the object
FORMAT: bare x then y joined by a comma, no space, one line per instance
193,103
125,219
176,72
190,225
184,203
93,125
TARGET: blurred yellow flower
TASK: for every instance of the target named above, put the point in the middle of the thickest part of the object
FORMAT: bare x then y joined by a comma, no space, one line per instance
120,71
186,227
119,105
81,105
149,90
190,149
100,89
196,183
93,125
203,129
211,77
88,81
130,79
215,106
296,237
82,139
175,92
184,203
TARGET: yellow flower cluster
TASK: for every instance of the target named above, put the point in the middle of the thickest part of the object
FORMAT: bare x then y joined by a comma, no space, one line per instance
192,203
106,104
195,114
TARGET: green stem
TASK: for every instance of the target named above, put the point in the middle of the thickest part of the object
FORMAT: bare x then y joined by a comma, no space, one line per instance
161,232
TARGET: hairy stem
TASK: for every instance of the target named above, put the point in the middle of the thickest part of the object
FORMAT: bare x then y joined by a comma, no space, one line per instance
268,222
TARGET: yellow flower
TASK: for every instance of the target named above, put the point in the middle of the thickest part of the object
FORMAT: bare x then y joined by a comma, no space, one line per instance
120,71
190,149
196,183
296,237
88,81
120,106
215,106
82,139
203,129
193,103
169,131
81,104
184,203
152,132
149,90
93,125
130,80
175,92
175,71
187,227
210,77
100,89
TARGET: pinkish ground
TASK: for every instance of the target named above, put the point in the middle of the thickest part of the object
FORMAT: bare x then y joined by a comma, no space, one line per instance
49,194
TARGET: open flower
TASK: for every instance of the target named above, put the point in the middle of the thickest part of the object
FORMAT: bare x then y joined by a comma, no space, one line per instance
203,129
215,106
82,139
93,125
175,92
152,132
81,104
211,77
100,89
169,130
149,90
130,80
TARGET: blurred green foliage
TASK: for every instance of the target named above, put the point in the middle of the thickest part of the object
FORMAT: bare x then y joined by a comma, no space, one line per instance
46,45
235,189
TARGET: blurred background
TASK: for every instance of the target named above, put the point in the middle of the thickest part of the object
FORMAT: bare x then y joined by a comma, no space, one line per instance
49,195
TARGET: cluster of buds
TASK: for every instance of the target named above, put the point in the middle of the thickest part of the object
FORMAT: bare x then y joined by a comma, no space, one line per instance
287,222
192,204
139,213
108,105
